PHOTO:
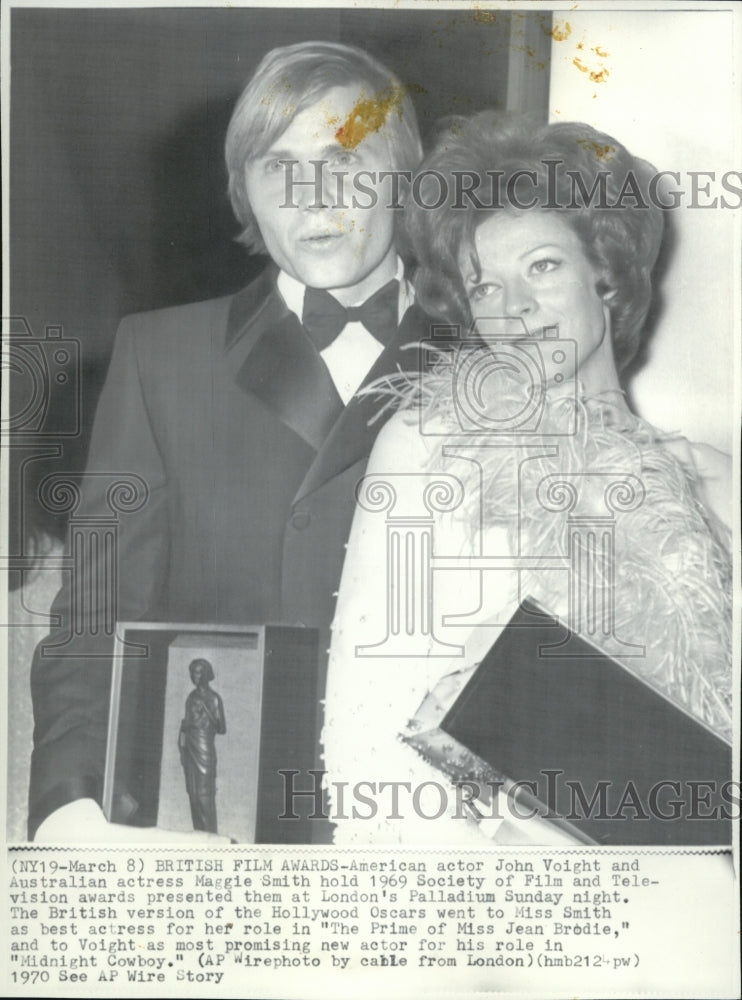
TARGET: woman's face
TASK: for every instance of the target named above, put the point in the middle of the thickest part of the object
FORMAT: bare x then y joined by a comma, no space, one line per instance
536,281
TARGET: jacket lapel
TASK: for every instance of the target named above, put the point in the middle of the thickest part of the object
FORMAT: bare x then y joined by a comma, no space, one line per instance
274,359
355,431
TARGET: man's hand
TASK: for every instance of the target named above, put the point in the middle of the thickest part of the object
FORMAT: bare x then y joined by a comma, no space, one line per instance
82,822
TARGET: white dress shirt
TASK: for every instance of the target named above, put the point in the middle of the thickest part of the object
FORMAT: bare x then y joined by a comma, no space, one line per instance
353,352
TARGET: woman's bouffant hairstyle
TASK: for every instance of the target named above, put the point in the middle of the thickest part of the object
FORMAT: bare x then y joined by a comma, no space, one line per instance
590,179
288,81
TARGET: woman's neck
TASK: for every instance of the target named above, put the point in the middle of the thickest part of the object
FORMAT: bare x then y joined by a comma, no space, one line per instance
599,376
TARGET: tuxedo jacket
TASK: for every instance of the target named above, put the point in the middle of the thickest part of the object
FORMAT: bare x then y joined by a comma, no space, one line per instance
225,415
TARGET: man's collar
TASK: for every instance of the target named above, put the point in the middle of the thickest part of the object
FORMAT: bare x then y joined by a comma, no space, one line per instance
292,291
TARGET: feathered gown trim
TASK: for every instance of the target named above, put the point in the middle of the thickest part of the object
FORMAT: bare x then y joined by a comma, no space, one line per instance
670,571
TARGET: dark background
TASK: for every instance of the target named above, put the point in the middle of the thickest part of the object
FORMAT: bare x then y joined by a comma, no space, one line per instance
118,188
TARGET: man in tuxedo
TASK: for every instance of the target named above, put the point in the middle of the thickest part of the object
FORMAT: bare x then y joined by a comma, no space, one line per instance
237,423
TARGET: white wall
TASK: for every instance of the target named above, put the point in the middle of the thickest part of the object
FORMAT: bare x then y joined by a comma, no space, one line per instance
671,96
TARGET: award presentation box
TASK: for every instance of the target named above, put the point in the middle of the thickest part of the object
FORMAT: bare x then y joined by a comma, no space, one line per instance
598,751
266,677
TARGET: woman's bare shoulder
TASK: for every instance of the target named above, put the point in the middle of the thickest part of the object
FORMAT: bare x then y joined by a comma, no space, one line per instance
714,470
401,446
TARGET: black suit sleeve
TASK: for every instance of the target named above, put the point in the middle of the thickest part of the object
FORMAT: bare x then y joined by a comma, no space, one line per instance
118,550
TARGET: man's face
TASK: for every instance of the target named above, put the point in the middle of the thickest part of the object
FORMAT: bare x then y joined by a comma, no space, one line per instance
327,243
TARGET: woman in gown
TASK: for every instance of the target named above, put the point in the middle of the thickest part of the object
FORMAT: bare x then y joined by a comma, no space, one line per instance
494,447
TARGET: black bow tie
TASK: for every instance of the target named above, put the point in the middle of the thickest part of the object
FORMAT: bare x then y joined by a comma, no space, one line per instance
324,317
